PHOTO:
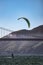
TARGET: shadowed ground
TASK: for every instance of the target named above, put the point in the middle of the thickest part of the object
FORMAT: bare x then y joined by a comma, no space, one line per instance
22,60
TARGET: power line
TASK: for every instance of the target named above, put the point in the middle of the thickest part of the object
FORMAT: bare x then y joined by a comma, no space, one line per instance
4,31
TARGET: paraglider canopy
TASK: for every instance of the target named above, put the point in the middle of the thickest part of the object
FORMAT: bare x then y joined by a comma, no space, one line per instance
28,22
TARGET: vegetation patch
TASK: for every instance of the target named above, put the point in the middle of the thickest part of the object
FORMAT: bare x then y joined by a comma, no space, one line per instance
22,60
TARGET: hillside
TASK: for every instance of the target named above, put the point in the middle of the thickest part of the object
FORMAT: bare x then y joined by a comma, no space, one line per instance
23,47
34,33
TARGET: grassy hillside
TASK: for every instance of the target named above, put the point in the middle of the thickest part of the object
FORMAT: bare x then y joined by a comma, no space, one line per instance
22,60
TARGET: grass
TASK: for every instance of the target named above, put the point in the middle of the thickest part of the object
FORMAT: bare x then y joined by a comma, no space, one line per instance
21,60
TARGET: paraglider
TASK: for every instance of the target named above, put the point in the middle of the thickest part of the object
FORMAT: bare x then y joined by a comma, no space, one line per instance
28,22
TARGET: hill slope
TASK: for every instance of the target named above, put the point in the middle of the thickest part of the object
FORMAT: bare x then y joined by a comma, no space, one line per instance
23,47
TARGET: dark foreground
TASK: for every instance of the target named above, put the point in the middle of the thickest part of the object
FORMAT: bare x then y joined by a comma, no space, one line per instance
21,60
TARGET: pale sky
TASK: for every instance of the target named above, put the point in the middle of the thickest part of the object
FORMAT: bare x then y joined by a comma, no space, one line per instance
11,10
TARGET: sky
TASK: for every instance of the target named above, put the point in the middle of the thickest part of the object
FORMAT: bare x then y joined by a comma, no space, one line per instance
11,10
